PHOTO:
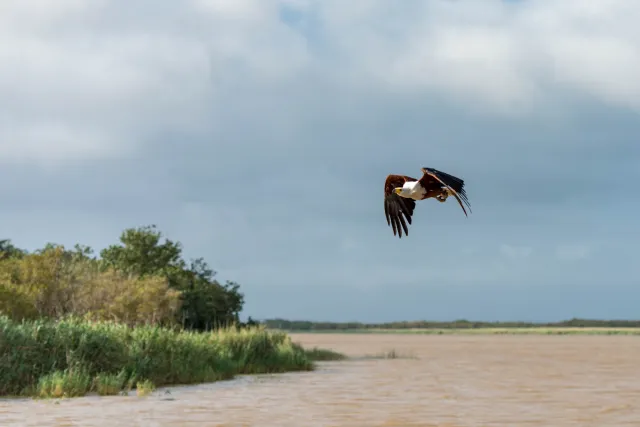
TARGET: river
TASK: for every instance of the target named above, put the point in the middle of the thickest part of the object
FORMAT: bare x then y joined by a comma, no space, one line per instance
446,380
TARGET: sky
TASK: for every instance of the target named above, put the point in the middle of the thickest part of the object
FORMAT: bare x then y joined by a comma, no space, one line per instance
259,133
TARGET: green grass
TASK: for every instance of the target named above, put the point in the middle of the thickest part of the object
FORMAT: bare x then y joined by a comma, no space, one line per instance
483,331
67,383
144,388
71,357
112,384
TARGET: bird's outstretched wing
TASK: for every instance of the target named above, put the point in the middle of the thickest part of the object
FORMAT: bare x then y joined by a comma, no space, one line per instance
453,183
398,210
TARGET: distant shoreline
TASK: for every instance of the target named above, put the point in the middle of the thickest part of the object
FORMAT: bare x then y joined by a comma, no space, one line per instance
540,330
462,326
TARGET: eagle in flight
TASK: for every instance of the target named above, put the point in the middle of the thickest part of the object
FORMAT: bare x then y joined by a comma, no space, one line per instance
401,193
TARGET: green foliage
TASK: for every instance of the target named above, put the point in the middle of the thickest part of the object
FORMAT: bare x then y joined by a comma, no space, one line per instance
143,279
53,282
73,323
206,304
111,384
67,383
144,388
141,253
72,357
7,250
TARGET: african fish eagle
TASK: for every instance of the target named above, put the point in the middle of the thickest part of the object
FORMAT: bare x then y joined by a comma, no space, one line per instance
401,193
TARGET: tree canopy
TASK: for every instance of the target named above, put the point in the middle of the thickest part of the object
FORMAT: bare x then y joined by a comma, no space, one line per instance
141,279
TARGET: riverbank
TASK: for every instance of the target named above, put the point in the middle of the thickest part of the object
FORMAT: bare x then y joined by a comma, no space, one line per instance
71,358
478,331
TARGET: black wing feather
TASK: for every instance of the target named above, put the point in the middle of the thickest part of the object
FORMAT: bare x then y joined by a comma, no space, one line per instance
398,211
452,181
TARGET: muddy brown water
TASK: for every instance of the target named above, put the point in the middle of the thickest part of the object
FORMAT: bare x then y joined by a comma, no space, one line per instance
453,381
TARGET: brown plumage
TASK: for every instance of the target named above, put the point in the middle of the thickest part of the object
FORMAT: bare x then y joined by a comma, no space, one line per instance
433,184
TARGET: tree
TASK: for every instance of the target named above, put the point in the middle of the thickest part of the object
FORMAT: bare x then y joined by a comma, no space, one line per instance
206,304
111,295
141,253
53,282
8,250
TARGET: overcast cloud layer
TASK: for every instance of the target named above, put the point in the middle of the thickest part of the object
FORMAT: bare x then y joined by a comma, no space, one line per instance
259,133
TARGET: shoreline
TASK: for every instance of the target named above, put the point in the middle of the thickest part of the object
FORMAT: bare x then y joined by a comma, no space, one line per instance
534,330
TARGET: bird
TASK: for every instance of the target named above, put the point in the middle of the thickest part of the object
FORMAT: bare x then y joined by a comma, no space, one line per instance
401,193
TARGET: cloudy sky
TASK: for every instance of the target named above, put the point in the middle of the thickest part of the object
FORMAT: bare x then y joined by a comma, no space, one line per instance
259,134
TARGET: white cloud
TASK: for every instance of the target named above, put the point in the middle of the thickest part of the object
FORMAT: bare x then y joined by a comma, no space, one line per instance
68,91
94,79
481,64
506,55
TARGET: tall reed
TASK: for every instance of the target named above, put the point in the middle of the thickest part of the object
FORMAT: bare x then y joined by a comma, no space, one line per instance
72,357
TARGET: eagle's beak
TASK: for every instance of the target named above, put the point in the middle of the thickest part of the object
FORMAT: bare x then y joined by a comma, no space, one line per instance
397,190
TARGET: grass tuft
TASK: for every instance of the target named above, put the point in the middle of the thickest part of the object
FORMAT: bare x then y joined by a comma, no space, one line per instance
110,384
144,388
67,383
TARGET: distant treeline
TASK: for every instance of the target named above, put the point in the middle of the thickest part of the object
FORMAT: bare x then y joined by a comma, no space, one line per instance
140,280
303,325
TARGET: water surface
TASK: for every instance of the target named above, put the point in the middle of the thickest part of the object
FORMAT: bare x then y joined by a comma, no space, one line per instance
451,381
